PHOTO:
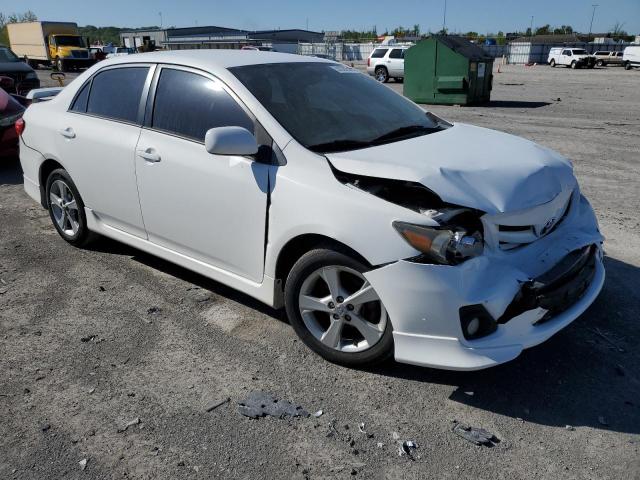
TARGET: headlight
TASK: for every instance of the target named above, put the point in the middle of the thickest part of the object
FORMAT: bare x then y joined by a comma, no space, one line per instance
443,245
31,76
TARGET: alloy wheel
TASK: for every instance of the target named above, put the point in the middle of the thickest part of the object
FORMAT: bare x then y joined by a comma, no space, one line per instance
64,208
341,309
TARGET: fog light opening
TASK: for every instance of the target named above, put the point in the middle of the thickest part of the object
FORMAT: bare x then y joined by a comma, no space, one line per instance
476,322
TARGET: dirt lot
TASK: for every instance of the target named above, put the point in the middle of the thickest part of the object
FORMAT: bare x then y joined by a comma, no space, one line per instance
82,354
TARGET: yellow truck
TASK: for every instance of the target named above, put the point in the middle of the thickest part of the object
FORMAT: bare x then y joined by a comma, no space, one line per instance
58,44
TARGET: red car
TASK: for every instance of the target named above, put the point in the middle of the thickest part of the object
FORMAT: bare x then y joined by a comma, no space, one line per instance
11,109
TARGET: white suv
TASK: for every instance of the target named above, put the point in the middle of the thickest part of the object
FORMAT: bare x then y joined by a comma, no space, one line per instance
387,62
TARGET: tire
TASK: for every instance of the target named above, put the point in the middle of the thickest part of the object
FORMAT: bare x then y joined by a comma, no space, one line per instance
552,63
382,74
574,64
627,66
60,65
68,218
331,329
600,63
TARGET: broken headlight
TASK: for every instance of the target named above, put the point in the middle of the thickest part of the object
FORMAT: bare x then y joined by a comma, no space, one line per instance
446,245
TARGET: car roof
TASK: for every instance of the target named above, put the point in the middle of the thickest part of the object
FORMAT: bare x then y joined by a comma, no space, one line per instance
214,60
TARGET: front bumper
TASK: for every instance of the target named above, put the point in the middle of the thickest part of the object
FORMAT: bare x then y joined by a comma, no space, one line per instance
424,300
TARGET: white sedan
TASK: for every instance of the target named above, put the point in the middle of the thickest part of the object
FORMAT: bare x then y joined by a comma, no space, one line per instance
382,229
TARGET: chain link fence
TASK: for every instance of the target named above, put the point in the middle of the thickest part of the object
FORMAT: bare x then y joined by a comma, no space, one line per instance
514,53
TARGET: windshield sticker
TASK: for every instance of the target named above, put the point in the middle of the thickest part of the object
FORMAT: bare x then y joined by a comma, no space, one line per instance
344,69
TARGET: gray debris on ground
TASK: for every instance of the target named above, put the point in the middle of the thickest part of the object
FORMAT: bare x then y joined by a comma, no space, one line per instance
83,463
259,404
407,448
131,423
215,404
477,436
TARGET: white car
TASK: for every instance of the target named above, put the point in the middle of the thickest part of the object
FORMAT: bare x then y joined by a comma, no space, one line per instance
570,57
120,51
631,57
387,62
381,228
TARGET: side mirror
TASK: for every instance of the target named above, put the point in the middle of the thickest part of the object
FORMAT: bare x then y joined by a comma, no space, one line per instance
230,141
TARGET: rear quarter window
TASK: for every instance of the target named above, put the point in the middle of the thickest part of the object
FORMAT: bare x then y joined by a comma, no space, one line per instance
115,93
379,52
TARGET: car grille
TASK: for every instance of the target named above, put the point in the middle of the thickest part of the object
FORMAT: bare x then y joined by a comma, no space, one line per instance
509,232
79,54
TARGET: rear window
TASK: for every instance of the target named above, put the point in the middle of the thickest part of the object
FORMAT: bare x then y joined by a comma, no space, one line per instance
379,52
116,93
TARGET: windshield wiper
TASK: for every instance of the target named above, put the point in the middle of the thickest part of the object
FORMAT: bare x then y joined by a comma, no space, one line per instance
404,132
339,145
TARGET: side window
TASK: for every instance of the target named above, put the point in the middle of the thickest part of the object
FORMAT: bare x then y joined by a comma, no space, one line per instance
80,103
567,53
379,52
116,93
188,104
396,53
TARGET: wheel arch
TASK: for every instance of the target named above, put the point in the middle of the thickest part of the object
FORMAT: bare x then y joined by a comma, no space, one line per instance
298,246
48,166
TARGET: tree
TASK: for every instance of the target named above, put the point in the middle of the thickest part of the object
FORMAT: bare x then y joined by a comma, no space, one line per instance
544,30
617,31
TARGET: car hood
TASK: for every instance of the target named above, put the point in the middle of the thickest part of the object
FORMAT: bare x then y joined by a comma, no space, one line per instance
468,166
14,67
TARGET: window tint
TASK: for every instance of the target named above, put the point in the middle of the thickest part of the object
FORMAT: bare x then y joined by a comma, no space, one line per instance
379,52
80,103
396,53
189,104
116,93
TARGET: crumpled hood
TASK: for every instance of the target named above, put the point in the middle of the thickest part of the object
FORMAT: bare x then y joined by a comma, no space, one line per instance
468,166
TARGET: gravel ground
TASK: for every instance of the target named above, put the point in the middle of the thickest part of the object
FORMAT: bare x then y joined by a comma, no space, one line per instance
91,340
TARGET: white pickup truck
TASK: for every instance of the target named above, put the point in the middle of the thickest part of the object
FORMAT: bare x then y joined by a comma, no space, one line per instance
570,57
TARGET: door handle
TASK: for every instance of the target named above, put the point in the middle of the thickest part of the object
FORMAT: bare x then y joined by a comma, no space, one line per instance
67,132
150,155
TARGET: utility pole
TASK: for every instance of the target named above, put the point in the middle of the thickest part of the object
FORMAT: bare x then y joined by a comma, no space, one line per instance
531,27
592,15
307,23
444,19
160,13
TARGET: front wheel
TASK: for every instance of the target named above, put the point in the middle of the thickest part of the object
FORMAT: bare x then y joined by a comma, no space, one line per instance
60,65
600,63
382,75
66,209
574,64
335,311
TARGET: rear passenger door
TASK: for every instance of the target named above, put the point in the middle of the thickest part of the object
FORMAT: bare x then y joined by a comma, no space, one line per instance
208,207
96,141
395,62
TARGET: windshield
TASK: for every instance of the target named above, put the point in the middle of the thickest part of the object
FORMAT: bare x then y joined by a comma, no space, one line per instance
69,41
330,107
579,51
7,55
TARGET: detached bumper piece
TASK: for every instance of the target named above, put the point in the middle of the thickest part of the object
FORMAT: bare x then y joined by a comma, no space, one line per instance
558,289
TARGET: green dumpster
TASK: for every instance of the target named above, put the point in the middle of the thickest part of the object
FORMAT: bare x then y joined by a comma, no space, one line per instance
447,70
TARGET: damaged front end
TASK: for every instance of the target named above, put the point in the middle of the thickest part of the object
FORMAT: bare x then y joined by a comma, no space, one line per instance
450,235
485,285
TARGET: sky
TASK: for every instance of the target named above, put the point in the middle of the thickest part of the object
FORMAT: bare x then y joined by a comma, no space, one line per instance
462,15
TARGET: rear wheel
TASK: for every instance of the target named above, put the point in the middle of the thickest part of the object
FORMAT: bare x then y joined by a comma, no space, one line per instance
627,66
382,75
66,209
600,63
335,311
552,62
